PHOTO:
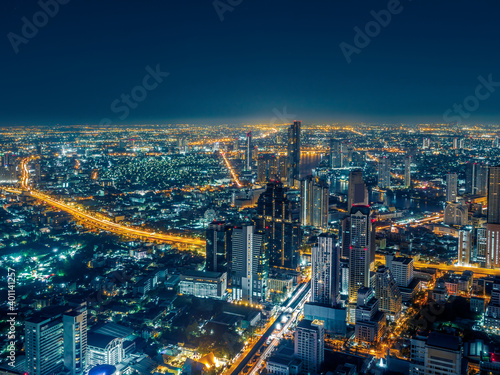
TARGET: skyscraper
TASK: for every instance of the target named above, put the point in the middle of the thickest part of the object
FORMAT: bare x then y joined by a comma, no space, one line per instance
314,202
249,265
310,344
325,261
218,248
465,248
451,187
388,294
335,153
456,214
384,173
359,249
408,171
44,345
357,193
75,340
476,179
293,153
248,152
493,226
267,168
280,227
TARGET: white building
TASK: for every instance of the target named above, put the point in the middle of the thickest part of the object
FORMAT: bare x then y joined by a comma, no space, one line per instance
310,344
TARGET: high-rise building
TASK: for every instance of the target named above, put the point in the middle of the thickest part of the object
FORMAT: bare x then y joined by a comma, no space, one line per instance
451,187
369,322
388,294
267,168
438,354
476,179
384,173
314,202
357,193
293,153
494,195
455,143
44,345
249,265
465,248
401,268
218,248
75,340
335,153
360,249
310,345
481,246
456,214
408,171
248,152
325,261
493,226
280,227
426,143
462,143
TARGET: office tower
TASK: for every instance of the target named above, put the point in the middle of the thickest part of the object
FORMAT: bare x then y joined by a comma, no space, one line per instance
346,237
481,246
335,153
369,322
218,249
494,195
279,226
426,143
44,345
476,179
75,340
267,168
465,248
384,173
408,171
314,202
401,268
455,143
388,294
493,226
325,262
357,193
436,354
293,153
248,152
456,214
310,345
462,143
451,187
249,265
360,245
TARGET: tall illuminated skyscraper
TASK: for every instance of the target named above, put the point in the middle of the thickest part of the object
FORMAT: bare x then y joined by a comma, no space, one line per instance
275,220
293,153
218,249
476,179
384,173
248,152
408,171
451,187
360,247
325,262
249,265
357,193
314,198
493,226
75,340
335,153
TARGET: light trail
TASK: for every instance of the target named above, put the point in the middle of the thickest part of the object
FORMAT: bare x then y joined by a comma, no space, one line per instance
231,170
101,223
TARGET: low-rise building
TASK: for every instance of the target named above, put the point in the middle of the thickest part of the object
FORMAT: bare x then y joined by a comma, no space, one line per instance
203,284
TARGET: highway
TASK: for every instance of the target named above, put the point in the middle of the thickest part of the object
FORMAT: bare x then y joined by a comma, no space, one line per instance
99,223
294,303
231,170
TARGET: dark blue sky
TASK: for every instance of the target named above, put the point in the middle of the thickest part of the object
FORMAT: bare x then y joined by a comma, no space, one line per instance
264,55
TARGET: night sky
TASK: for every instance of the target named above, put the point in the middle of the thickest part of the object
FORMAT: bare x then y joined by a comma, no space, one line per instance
263,56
